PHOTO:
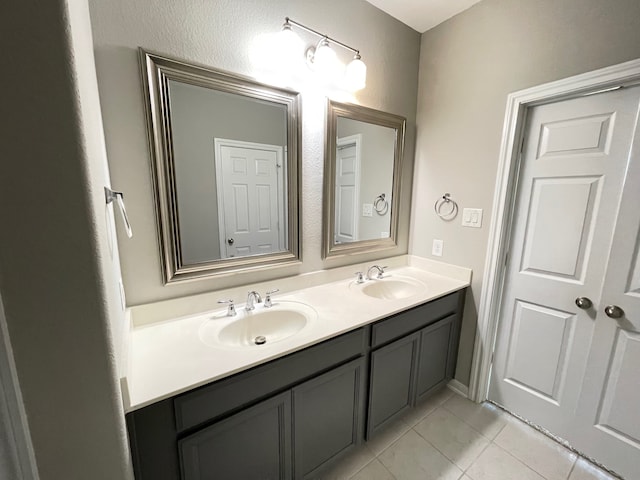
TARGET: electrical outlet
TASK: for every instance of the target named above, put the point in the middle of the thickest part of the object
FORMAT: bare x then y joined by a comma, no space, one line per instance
384,235
367,209
436,249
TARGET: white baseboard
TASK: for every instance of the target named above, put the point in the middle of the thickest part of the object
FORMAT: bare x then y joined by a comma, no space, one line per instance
459,388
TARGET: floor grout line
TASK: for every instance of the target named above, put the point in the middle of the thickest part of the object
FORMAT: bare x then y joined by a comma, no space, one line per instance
520,461
476,459
472,426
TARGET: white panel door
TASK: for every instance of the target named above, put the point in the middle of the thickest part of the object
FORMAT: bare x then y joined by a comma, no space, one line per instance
347,188
610,400
574,164
248,180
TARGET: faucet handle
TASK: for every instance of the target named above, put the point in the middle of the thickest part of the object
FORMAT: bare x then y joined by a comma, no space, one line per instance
267,297
231,310
359,277
381,272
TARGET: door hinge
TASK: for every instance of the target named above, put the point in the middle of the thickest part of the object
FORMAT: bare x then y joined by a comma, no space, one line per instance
506,258
522,144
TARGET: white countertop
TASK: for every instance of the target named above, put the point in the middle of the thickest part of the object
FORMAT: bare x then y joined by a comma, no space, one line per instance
167,357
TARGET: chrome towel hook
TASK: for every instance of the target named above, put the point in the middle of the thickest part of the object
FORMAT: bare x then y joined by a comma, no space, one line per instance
118,199
450,211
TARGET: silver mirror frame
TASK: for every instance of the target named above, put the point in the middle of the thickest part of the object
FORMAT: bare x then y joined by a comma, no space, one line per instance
157,71
336,110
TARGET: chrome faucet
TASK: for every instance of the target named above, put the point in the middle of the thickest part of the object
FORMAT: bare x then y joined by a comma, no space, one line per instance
253,297
377,267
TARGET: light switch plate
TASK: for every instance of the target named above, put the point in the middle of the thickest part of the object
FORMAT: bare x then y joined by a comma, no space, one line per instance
472,217
436,249
367,209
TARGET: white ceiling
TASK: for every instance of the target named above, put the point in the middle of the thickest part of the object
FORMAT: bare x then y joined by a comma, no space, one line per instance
421,15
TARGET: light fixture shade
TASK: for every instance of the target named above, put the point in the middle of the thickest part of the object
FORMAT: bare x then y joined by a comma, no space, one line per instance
356,74
289,47
324,59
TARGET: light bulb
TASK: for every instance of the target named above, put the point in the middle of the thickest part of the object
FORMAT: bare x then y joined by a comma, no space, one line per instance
356,74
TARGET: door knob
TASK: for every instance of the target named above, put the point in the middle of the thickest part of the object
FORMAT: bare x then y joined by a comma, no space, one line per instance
584,303
613,311
230,241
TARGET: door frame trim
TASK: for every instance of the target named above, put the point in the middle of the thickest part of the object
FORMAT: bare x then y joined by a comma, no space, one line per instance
12,410
518,103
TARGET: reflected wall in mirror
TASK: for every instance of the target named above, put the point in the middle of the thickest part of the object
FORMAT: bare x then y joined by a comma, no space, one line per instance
226,162
363,161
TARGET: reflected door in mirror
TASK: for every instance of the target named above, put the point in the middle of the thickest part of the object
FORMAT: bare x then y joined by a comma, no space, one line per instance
250,198
347,188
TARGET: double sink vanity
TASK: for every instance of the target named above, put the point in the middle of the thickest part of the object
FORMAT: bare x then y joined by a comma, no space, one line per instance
284,384
335,362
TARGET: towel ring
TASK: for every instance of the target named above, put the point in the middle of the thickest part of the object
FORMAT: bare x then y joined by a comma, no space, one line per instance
450,211
380,204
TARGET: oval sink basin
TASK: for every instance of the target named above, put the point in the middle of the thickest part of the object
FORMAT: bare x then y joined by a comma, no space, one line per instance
392,288
262,326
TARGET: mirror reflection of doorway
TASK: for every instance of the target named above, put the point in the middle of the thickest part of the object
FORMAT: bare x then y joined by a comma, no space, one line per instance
347,188
249,181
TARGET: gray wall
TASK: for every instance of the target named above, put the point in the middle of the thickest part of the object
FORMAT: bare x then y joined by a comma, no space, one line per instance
58,271
376,172
198,115
220,34
468,66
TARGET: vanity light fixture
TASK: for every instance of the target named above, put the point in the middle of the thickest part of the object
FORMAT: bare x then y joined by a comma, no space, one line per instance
323,60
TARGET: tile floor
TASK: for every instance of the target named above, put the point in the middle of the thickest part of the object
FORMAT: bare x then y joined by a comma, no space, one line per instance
451,438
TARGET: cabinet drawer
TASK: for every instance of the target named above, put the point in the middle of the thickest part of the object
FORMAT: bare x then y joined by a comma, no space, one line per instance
406,322
227,395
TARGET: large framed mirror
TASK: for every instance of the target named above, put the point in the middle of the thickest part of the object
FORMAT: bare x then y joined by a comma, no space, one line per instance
226,162
363,164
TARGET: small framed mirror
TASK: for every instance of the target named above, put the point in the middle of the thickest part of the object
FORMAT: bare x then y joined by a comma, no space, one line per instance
363,164
225,154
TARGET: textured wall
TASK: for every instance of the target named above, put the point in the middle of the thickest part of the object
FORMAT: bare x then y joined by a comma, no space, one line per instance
220,34
468,66
58,279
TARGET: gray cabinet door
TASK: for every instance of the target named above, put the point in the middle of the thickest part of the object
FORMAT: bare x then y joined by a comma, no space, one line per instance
328,417
253,444
433,360
392,380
